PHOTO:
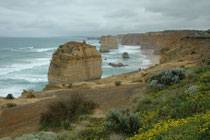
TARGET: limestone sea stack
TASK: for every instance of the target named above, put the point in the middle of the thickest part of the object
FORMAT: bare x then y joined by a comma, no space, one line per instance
74,62
107,43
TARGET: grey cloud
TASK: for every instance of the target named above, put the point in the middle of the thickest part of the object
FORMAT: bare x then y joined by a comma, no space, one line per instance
97,17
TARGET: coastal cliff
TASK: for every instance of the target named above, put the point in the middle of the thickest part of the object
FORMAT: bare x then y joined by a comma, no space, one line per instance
153,40
74,62
107,43
193,47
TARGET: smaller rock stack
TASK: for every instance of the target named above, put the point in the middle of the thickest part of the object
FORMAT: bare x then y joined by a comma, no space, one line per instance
125,55
107,43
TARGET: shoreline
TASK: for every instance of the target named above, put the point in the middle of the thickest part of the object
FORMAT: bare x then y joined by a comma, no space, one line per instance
154,58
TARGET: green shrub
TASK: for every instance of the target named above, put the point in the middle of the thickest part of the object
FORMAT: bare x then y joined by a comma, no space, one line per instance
192,89
70,85
10,96
66,124
69,109
122,122
166,78
62,51
199,70
117,83
11,104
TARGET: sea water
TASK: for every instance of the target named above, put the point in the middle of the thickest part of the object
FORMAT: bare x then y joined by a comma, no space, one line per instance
24,62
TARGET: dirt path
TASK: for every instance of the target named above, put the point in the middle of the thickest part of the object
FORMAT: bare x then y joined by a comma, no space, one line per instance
24,119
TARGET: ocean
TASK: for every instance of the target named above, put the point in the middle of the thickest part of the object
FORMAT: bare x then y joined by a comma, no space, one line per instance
24,62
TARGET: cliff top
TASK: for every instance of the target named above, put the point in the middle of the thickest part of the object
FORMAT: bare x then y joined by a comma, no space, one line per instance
77,50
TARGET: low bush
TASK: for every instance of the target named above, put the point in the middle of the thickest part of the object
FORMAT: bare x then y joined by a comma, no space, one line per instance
10,97
11,105
69,109
122,122
117,83
166,78
70,85
66,124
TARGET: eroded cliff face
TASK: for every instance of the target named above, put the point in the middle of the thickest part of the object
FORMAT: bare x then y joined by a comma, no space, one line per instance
180,45
194,48
74,62
107,43
153,40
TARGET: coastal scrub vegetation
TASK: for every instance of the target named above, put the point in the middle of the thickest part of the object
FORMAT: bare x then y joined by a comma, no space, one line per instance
180,110
10,96
166,78
11,105
122,122
60,113
117,83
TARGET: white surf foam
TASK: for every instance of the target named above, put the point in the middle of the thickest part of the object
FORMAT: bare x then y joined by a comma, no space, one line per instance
22,66
32,78
43,50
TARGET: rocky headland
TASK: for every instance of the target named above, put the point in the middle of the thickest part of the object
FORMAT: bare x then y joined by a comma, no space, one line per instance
107,43
74,62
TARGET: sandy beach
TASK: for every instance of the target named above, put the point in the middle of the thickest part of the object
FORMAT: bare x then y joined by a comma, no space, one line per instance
154,58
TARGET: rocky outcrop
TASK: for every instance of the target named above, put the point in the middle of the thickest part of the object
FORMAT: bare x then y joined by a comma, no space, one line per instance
74,62
107,43
28,94
125,55
117,65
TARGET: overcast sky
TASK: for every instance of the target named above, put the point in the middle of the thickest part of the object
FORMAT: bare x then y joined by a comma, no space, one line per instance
97,17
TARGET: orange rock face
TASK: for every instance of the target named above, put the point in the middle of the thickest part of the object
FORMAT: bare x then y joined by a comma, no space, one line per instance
74,62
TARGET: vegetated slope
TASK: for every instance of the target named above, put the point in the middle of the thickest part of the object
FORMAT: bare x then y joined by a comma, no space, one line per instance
180,111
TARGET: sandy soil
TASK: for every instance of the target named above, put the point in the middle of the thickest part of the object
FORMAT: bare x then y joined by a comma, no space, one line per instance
24,118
